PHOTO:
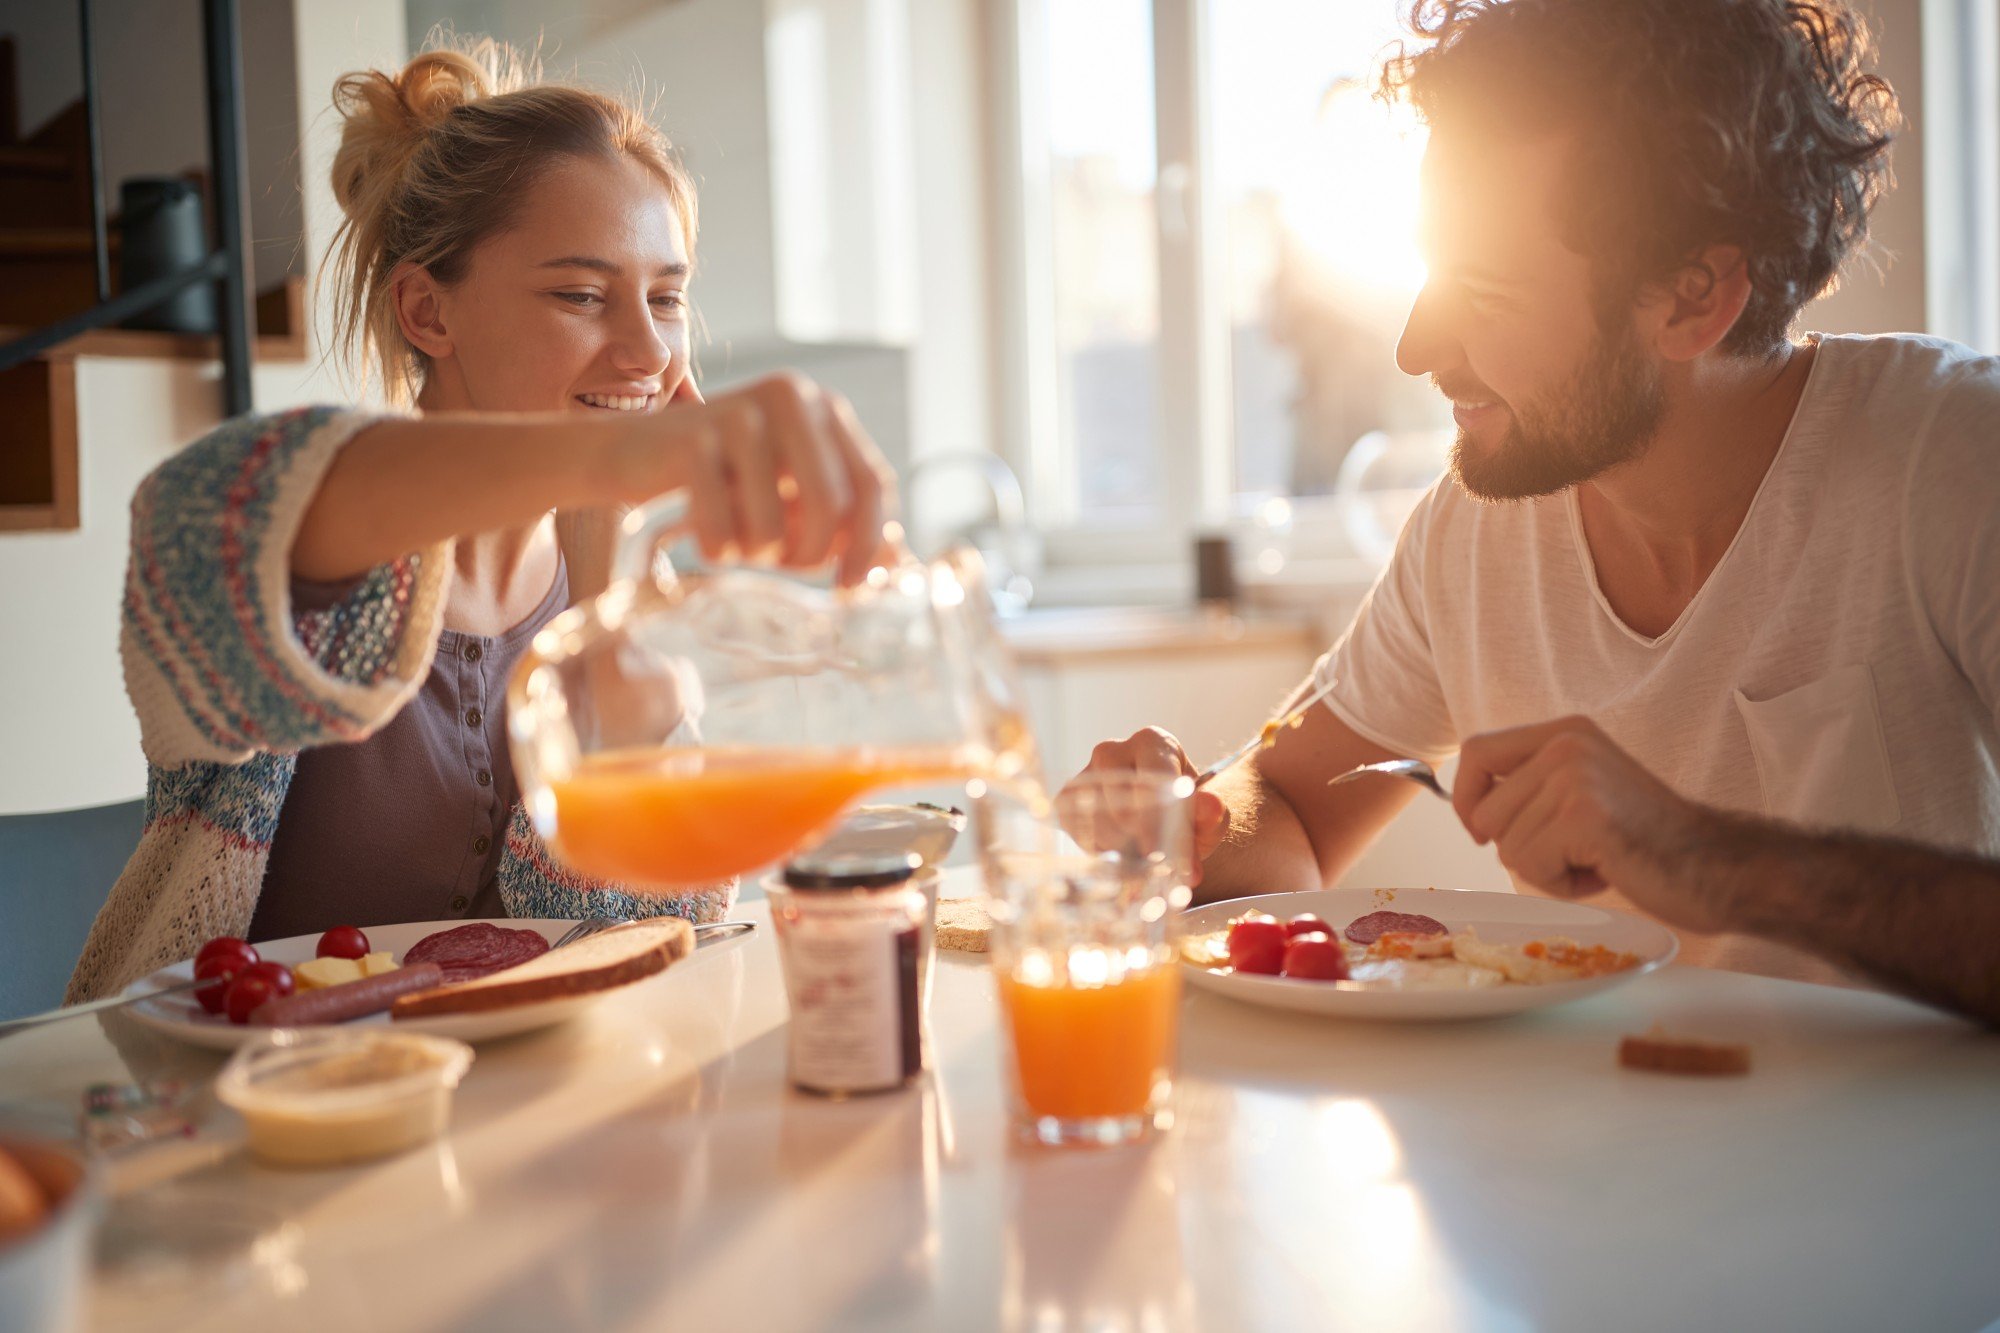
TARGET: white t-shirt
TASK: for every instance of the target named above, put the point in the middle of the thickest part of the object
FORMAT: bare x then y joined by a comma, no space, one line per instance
1840,668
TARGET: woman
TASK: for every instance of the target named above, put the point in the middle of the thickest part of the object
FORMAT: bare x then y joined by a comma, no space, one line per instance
322,606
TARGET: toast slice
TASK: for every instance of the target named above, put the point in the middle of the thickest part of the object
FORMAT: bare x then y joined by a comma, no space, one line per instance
605,961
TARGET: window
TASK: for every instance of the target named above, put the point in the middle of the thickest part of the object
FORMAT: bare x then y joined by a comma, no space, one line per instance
1216,253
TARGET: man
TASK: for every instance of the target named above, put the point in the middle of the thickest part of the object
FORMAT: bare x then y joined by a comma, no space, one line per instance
1710,613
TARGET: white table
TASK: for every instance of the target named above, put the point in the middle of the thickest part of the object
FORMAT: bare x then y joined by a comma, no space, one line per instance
648,1167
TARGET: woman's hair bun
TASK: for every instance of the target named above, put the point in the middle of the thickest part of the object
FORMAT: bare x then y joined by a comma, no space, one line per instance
387,116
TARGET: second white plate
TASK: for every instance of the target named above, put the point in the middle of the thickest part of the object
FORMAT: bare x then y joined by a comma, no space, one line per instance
1505,918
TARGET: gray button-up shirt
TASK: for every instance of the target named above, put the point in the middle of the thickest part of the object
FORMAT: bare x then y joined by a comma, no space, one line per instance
410,824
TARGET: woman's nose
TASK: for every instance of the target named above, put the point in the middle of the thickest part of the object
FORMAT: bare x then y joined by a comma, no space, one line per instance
1426,345
637,345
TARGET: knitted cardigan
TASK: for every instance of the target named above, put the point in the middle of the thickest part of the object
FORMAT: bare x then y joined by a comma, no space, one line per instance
230,684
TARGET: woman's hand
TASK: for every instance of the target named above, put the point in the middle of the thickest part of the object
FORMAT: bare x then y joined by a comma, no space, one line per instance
778,469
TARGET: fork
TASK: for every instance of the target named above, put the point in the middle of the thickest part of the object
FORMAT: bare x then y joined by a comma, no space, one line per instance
703,934
1416,770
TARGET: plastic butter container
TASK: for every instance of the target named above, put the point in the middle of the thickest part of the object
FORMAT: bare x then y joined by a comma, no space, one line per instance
328,1097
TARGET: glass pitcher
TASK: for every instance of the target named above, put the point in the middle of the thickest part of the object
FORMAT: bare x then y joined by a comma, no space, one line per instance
689,726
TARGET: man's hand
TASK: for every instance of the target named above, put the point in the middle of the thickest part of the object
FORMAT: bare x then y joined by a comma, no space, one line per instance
1571,813
1152,750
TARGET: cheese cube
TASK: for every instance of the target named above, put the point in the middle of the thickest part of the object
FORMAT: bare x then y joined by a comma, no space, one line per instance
326,972
375,964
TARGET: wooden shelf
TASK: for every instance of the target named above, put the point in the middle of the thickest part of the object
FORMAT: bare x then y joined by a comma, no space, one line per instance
38,462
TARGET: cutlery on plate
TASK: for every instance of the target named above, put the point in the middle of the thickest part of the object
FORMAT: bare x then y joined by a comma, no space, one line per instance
1416,770
710,933
14,1025
1266,735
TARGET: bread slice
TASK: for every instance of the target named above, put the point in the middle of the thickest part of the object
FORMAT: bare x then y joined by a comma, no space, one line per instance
605,961
963,924
1662,1054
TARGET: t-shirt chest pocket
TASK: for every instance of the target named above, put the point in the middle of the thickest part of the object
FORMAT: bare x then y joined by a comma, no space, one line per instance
1820,753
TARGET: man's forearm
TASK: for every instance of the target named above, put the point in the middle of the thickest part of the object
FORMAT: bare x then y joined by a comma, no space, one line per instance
1266,849
1913,919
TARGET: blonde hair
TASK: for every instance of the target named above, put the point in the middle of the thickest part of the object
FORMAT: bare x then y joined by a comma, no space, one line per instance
435,158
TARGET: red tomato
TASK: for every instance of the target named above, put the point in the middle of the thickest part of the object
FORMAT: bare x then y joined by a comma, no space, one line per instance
229,946
245,994
1300,925
343,942
281,978
224,965
1315,957
1257,946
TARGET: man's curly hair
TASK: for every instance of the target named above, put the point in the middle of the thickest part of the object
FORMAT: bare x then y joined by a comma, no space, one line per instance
1750,123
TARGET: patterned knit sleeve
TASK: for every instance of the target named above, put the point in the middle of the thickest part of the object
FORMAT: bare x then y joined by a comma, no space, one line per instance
534,885
218,663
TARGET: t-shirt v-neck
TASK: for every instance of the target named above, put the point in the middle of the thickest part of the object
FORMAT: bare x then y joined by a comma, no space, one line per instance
1802,424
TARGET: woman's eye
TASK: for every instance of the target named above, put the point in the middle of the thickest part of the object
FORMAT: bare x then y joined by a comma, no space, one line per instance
580,298
670,300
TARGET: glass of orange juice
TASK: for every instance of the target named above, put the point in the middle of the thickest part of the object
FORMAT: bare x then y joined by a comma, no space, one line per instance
1087,893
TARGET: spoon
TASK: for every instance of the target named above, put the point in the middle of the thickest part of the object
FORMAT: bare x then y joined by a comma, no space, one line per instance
1416,770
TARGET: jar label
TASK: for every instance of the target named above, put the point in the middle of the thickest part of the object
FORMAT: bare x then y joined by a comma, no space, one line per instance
852,986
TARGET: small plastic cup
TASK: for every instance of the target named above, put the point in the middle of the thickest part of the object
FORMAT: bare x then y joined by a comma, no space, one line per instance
331,1097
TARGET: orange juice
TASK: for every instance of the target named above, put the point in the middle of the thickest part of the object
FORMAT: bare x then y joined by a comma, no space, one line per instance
696,816
1089,1051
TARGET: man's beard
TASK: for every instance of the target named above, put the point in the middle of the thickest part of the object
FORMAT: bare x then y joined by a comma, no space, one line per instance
1607,415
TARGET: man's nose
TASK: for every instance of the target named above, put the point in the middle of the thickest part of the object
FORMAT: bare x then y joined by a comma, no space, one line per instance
1426,346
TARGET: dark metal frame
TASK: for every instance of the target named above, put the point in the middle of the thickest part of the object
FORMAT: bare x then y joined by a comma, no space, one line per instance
226,265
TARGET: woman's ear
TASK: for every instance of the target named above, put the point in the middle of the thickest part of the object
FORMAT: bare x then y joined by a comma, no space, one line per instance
420,309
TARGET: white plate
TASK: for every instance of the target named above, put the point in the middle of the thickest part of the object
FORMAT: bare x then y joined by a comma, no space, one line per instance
1505,918
181,1015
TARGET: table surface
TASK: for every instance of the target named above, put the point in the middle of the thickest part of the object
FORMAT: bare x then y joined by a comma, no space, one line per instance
647,1166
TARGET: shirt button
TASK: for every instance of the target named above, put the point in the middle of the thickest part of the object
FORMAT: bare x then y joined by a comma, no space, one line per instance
481,843
473,652
483,778
473,717
460,902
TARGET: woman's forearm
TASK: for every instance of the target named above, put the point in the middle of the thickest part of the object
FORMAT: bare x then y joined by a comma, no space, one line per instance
400,486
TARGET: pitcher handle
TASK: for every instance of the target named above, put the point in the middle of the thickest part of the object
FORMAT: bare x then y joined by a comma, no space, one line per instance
644,531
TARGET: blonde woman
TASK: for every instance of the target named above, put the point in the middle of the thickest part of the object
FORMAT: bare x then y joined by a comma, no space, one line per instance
322,606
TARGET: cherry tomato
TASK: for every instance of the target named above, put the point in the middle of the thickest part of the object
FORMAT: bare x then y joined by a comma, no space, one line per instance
1300,925
1315,957
343,942
245,994
281,978
1257,946
223,965
227,945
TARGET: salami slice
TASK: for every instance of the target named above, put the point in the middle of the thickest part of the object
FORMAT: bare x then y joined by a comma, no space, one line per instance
1368,929
475,950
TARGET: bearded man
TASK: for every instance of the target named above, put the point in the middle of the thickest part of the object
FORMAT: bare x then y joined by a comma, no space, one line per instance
1709,608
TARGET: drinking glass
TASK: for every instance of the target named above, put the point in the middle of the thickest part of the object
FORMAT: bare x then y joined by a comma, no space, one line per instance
1088,890
686,727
